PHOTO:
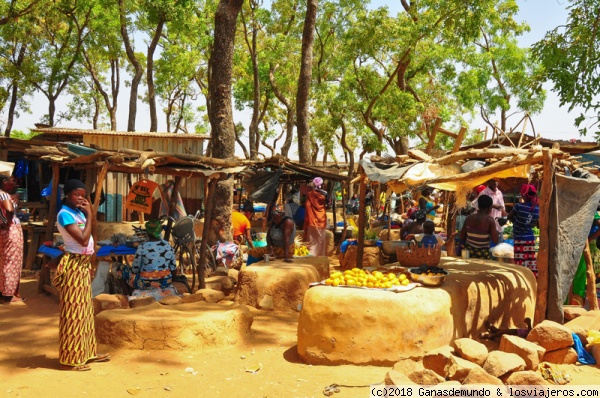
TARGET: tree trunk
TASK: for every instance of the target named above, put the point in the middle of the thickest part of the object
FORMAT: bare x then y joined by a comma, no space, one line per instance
11,108
137,77
308,37
221,112
150,75
51,111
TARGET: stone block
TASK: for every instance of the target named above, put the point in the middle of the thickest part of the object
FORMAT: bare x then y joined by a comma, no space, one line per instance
565,355
441,361
395,378
408,365
426,377
499,363
285,283
208,295
571,312
480,376
531,353
170,300
471,350
462,368
222,283
551,335
197,326
141,301
524,378
104,302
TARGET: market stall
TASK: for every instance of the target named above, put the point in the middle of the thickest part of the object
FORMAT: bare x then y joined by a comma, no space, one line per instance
98,162
568,203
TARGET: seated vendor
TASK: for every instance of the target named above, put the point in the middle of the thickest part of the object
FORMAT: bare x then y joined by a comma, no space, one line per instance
240,223
280,240
480,229
415,227
151,272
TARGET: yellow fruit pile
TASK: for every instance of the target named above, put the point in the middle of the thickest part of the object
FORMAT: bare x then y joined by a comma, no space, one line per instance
359,277
301,251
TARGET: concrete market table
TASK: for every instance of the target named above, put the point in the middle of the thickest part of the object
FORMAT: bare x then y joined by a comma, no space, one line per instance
364,326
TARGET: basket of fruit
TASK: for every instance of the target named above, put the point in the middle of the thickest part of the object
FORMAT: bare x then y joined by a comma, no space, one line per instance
428,276
415,256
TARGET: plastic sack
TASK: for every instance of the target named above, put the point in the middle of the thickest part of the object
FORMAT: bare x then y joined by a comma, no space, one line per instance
503,250
472,165
593,337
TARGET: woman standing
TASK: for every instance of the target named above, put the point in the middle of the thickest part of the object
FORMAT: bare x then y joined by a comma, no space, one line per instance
280,240
77,336
479,229
11,243
315,220
524,217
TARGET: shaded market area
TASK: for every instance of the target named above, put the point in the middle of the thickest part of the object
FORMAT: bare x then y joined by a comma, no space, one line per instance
344,297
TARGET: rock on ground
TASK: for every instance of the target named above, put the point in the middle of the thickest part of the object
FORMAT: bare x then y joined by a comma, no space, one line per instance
531,353
551,335
480,376
499,363
471,350
561,356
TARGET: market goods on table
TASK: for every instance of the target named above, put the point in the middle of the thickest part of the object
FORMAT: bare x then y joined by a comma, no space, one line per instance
428,276
361,278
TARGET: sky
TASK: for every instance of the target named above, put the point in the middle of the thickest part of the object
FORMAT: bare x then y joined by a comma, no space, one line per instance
554,122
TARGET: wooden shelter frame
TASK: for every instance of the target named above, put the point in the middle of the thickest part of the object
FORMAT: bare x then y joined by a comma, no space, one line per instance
546,159
129,161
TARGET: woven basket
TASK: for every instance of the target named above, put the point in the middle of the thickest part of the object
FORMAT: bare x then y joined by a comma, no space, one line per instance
415,256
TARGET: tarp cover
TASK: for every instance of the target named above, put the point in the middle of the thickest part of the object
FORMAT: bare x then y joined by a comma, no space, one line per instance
263,185
383,172
572,209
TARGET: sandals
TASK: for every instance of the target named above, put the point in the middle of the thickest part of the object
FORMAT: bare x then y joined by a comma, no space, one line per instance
100,358
79,368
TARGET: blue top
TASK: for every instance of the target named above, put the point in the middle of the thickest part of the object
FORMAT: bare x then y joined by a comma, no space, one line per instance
525,219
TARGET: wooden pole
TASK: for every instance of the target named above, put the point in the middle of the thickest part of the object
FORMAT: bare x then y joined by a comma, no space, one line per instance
172,204
434,130
211,186
542,257
450,224
52,212
590,287
361,220
345,195
95,205
459,139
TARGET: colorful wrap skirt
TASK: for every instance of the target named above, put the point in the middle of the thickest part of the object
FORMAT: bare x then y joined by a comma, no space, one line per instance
11,259
478,252
77,336
526,253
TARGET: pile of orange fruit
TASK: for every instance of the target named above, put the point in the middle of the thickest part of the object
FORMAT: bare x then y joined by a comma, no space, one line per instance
362,278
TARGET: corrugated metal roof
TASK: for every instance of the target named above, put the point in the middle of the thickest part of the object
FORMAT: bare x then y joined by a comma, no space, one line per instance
68,131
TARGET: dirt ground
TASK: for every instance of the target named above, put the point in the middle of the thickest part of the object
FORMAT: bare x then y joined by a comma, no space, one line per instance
29,363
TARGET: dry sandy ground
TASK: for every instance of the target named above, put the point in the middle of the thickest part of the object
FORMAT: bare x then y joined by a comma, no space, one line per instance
29,363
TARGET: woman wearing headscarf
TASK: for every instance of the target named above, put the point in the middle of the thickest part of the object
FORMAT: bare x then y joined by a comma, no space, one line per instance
524,217
151,273
77,337
315,219
11,243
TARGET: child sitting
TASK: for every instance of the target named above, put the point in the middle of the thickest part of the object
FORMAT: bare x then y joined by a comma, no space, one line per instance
428,238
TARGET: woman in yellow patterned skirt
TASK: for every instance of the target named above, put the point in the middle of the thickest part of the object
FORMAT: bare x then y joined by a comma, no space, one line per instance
77,335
